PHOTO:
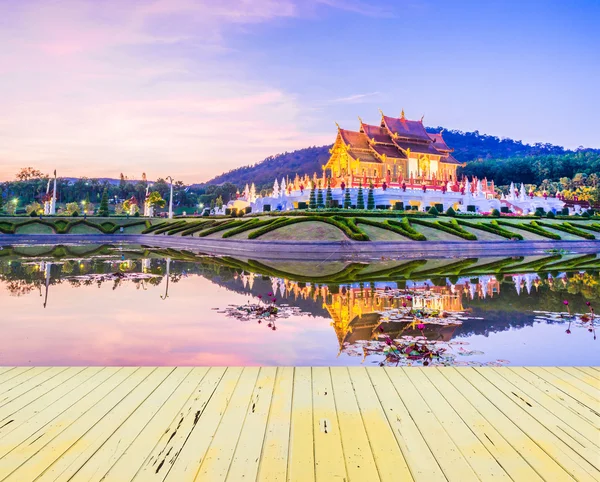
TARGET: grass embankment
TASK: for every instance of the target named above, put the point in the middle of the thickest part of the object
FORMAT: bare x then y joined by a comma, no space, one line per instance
333,226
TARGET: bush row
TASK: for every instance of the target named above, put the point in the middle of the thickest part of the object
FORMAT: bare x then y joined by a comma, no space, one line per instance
532,227
491,229
346,226
62,226
399,227
221,227
198,227
567,228
449,228
251,224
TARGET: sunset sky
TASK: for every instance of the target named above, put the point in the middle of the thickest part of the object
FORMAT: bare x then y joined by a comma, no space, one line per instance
192,88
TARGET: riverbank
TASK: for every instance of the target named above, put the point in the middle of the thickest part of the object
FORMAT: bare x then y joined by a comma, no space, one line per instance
316,250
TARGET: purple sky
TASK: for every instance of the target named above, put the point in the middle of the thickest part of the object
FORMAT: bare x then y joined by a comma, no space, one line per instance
192,88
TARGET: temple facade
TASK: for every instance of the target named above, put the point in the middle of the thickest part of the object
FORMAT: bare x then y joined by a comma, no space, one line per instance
398,151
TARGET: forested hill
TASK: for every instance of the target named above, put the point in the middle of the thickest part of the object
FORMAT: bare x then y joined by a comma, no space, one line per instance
468,146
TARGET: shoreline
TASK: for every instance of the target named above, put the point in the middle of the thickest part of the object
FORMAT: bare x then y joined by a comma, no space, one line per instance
311,250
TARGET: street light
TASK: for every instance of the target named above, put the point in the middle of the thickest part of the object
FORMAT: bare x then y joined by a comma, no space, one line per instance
171,198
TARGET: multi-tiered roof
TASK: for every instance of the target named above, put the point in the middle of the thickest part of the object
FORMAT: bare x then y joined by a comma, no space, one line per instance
394,138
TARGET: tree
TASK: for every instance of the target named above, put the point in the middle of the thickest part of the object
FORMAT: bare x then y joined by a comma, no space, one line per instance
312,200
219,203
328,195
371,198
103,210
71,208
28,173
156,200
35,208
347,200
320,203
360,199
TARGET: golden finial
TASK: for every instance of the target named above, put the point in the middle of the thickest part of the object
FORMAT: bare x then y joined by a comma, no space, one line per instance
422,117
360,120
338,126
402,115
381,112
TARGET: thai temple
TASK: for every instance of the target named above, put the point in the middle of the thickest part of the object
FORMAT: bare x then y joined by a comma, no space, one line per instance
402,163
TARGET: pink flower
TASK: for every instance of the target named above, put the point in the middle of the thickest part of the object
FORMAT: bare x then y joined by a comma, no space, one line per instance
270,294
568,332
421,326
566,303
409,297
260,297
587,303
403,305
274,300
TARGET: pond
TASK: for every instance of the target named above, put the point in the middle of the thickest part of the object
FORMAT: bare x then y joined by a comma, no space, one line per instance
134,305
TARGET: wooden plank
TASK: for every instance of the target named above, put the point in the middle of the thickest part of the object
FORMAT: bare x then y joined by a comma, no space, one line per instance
423,465
215,463
593,382
360,464
24,442
27,385
15,372
160,460
499,448
590,371
245,462
301,458
20,378
475,453
14,413
186,464
537,458
125,466
580,385
329,455
274,458
448,456
583,398
557,394
121,425
391,464
4,372
571,421
572,462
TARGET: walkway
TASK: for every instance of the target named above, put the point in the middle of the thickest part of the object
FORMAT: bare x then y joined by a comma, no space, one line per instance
303,424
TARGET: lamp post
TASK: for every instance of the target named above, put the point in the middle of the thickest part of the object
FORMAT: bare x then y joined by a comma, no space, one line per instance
171,198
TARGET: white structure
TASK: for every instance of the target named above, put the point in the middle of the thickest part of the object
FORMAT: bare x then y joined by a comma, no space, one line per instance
50,204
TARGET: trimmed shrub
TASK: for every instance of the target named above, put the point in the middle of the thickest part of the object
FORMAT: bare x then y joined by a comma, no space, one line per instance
550,215
451,227
346,225
247,209
450,212
395,227
312,200
565,211
347,201
227,211
586,214
569,228
370,199
33,214
74,214
302,205
490,228
360,200
540,212
220,227
495,213
504,209
382,206
398,206
471,208
137,214
433,211
439,207
533,227
320,202
267,208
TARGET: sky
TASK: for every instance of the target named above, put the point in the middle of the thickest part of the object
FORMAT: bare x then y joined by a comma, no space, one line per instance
193,88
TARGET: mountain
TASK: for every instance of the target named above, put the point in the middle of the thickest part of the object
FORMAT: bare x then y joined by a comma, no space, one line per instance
468,147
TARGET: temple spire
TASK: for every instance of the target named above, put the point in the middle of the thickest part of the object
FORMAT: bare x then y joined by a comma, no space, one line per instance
422,117
402,114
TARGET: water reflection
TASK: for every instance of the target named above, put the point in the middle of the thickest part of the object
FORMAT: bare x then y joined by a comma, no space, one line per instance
341,313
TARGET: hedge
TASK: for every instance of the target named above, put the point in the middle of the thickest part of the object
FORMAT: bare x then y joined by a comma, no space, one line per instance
591,227
532,227
450,228
387,225
491,229
251,224
568,228
63,226
349,228
169,226
404,224
221,227
347,213
198,227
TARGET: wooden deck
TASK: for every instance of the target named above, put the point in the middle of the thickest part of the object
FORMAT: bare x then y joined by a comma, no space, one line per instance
301,424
